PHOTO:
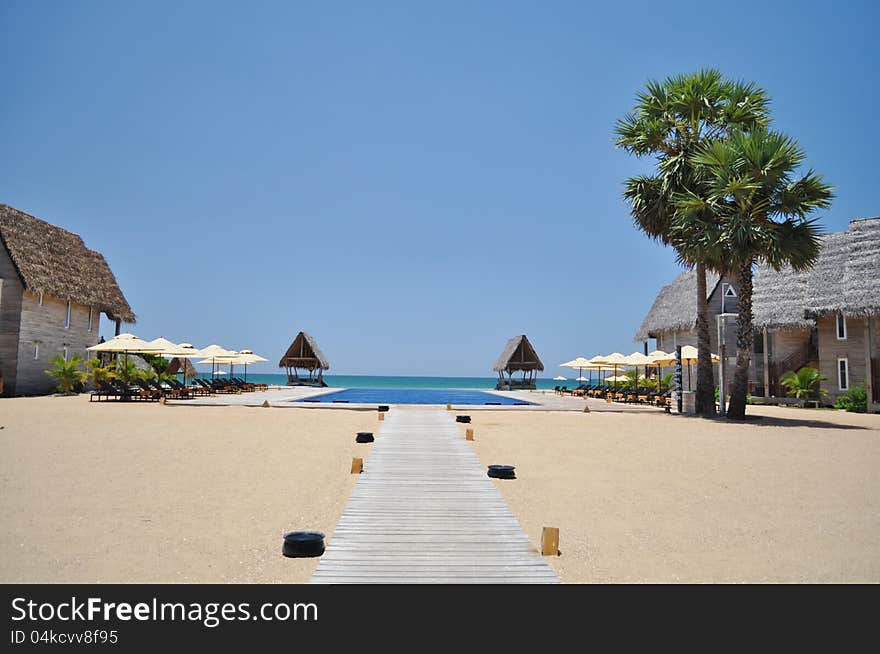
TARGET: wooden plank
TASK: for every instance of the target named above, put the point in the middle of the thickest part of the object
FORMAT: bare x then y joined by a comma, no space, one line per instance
424,511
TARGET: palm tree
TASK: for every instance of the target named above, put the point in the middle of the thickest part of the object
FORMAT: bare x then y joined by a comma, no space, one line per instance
763,209
67,374
670,121
804,383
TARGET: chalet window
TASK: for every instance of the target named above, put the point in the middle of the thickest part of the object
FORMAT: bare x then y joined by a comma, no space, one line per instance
66,353
67,316
90,318
36,349
841,327
843,374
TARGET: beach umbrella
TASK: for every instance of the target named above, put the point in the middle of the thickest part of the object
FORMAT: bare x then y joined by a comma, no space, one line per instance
123,344
250,358
688,357
581,378
163,344
560,378
581,364
183,351
638,359
613,360
214,352
661,359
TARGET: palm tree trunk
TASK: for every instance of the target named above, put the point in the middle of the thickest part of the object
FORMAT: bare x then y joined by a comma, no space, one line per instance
705,397
744,334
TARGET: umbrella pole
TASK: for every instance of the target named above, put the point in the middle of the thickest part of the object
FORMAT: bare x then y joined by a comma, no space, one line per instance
689,376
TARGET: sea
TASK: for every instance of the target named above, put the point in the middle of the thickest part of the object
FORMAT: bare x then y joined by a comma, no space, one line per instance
370,381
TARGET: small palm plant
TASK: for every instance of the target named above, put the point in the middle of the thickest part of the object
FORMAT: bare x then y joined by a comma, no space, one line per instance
97,373
128,371
68,375
632,379
804,383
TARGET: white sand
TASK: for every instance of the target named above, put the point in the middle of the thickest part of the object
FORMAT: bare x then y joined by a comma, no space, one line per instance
148,493
657,498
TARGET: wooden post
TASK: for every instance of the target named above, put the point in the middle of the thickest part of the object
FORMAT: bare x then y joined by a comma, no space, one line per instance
469,434
869,377
449,407
357,466
381,416
550,541
766,363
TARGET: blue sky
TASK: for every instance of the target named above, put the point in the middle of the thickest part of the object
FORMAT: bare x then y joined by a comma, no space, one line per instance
412,183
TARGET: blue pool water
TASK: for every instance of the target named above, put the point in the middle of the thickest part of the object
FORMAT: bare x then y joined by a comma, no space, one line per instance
413,396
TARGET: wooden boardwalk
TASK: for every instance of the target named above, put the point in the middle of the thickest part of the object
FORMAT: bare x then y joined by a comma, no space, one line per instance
424,511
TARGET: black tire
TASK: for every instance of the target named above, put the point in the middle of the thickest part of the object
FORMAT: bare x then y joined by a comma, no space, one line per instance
300,544
462,419
502,472
383,408
364,437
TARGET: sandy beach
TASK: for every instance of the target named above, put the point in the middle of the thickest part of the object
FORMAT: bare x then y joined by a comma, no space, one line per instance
148,493
792,497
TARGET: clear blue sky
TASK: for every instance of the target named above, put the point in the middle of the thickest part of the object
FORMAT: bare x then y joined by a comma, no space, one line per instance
412,183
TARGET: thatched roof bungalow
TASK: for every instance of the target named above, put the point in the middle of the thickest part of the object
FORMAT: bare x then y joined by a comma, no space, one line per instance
304,354
52,292
794,312
518,356
52,261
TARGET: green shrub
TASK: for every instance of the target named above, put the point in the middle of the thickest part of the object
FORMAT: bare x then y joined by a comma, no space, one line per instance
855,400
68,375
804,383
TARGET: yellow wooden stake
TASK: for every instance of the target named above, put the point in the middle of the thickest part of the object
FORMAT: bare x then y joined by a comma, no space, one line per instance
357,466
550,541
469,434
381,416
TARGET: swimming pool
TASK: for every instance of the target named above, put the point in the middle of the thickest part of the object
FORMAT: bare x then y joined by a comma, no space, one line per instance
413,396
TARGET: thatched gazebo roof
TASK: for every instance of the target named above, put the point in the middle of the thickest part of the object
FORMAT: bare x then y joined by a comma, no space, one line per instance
304,353
844,278
55,262
181,365
518,354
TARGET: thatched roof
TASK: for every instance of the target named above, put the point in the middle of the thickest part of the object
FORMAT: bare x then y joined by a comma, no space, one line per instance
180,365
518,354
52,261
304,353
847,277
844,278
675,307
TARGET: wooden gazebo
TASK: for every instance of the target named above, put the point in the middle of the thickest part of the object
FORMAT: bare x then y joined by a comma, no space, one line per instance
304,354
518,356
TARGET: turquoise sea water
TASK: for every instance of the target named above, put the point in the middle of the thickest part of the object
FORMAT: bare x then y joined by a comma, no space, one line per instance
367,381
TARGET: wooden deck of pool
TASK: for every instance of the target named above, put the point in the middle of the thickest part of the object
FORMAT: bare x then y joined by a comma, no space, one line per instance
424,511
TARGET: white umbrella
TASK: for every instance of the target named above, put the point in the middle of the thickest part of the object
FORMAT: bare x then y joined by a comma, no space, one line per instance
614,360
581,378
560,378
183,351
214,352
250,358
125,343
